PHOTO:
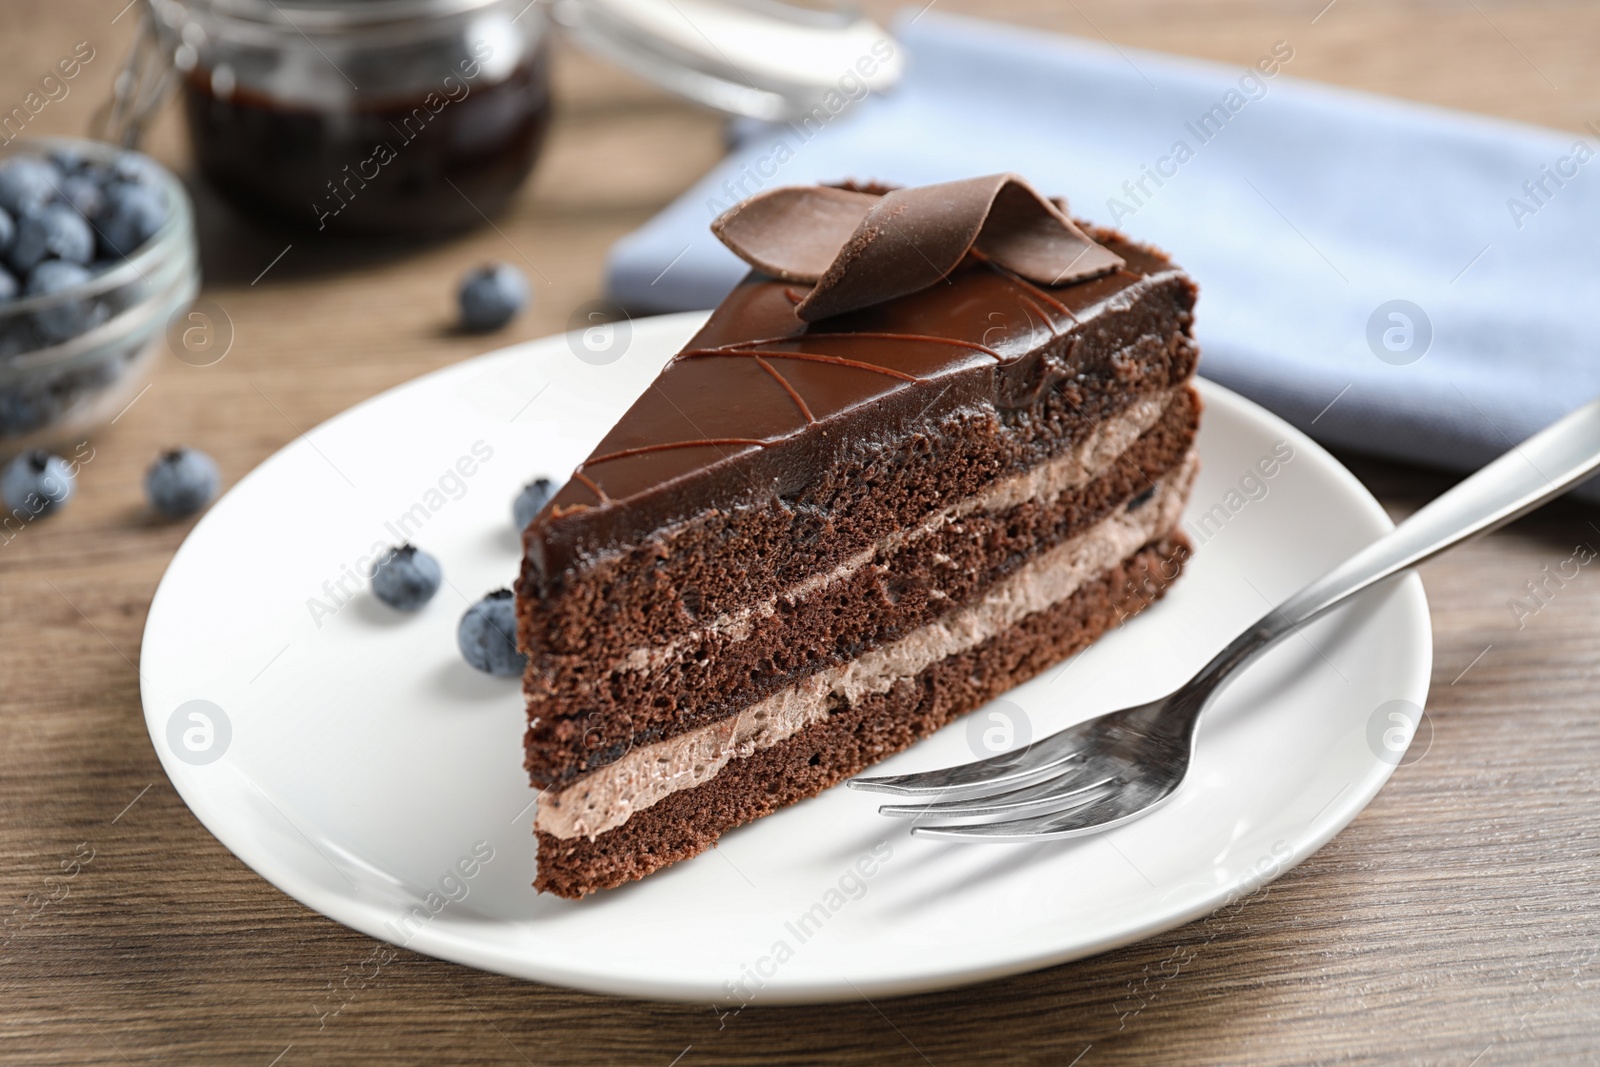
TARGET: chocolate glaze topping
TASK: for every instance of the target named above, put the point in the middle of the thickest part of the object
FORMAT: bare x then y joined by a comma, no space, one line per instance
760,397
860,249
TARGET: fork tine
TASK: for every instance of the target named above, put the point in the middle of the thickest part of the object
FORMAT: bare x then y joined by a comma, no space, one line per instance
1051,794
1123,803
1043,759
1099,814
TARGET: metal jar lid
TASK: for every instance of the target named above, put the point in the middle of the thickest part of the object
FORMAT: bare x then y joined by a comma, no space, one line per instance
765,59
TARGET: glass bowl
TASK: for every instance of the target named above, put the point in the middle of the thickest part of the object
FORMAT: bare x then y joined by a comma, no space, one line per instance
70,362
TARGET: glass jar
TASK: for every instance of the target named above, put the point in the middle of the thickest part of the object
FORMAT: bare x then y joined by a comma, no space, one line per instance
75,360
362,116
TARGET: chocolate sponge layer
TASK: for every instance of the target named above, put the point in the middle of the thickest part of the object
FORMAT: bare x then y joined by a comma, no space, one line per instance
856,736
591,711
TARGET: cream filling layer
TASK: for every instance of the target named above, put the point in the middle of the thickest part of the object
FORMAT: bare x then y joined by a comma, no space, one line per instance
1045,483
607,797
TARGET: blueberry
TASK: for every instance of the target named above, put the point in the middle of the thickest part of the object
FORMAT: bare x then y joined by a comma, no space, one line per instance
534,496
17,337
8,230
55,231
406,578
69,318
36,482
130,216
68,160
181,482
23,410
488,635
8,285
55,276
136,169
26,182
84,193
491,296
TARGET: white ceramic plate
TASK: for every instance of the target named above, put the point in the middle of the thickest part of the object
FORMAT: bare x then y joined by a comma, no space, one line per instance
347,754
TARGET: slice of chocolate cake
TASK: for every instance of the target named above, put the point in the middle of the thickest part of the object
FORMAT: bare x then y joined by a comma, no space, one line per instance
938,440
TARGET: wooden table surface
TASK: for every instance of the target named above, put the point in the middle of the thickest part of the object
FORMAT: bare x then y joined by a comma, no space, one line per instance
1455,922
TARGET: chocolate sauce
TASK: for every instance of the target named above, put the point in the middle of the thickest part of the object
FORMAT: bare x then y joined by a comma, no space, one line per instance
413,164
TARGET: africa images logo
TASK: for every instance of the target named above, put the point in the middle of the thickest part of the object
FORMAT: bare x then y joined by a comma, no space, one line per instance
199,732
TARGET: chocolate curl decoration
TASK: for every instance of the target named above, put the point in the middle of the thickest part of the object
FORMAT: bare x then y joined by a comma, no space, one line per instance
859,249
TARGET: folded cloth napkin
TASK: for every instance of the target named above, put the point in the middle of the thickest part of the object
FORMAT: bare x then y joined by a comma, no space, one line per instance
1390,277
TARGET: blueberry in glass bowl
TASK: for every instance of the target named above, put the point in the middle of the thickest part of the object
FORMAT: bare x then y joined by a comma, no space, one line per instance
97,254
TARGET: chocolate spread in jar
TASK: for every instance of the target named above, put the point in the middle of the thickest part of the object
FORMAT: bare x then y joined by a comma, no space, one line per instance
432,161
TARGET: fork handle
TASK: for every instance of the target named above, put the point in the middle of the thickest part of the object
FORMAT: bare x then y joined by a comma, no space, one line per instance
1543,466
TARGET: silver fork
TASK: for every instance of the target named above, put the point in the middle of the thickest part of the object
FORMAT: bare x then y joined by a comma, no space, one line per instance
1122,765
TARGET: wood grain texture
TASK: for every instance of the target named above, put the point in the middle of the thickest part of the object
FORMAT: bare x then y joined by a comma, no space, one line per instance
1455,922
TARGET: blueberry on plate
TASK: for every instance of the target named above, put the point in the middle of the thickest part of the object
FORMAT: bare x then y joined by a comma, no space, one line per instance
36,483
181,482
55,231
491,296
26,182
406,578
8,230
488,635
8,286
534,496
130,216
68,318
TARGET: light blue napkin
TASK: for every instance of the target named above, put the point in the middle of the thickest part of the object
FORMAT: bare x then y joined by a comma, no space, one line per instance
1304,212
